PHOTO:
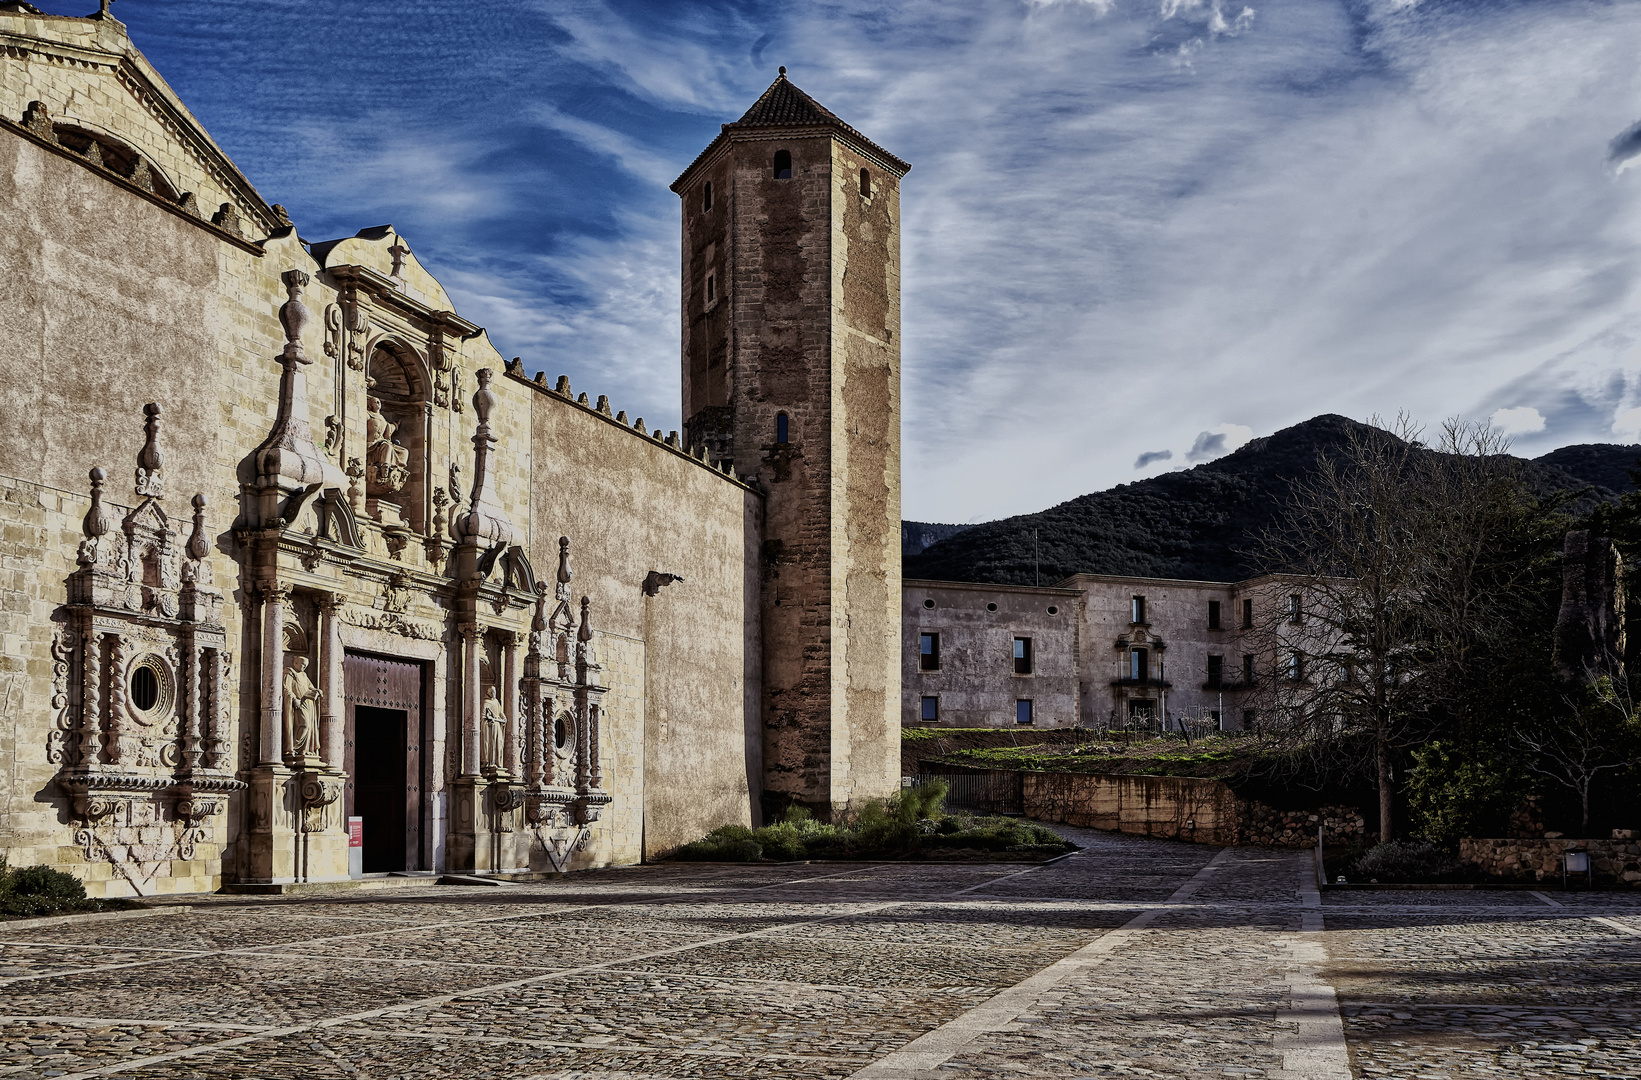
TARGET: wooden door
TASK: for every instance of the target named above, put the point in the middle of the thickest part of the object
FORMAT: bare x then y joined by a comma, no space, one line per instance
385,718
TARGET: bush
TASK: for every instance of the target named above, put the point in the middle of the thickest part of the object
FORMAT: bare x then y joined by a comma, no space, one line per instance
907,826
1409,861
29,892
1455,792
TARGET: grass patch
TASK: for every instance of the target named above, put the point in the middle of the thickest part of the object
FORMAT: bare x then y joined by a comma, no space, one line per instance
1213,757
912,825
34,891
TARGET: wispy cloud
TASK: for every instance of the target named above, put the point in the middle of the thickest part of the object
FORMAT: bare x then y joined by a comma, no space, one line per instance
1521,420
1128,219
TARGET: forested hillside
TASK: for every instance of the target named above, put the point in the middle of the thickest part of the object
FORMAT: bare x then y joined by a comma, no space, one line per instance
1198,523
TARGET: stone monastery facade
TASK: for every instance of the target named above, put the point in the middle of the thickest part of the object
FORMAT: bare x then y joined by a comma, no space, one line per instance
285,541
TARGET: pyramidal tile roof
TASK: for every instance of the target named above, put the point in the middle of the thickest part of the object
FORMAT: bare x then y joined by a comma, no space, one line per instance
785,105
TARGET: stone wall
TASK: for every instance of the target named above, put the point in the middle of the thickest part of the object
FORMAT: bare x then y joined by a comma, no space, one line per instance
975,684
1180,808
1613,863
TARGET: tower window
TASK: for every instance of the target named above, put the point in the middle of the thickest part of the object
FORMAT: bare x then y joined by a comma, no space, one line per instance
783,164
1216,671
1022,711
712,288
1295,612
782,428
865,184
706,197
1022,656
931,710
1213,614
1139,666
1247,670
1137,610
1247,614
928,647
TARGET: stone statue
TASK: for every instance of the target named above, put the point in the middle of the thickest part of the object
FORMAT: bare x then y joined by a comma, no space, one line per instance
301,711
387,463
493,732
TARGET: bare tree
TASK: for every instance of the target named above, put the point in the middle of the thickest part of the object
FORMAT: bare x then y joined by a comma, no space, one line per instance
1600,736
1390,564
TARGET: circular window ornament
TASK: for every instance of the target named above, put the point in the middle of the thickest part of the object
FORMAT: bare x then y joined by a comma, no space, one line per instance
1053,610
561,733
150,691
991,607
928,603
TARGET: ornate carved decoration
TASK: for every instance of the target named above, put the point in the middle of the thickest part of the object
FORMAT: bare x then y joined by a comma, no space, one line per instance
485,524
37,118
138,678
333,330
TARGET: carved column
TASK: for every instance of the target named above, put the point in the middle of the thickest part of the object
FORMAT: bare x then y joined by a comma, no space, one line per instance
91,713
473,703
331,733
510,702
274,598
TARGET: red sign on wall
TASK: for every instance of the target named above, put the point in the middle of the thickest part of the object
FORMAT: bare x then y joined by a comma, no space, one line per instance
356,832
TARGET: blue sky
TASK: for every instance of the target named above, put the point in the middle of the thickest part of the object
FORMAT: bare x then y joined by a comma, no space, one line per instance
1136,232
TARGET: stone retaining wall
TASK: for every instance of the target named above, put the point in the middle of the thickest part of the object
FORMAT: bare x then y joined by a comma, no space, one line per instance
1180,807
1612,862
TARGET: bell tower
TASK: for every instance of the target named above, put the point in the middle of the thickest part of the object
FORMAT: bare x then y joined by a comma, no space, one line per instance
791,369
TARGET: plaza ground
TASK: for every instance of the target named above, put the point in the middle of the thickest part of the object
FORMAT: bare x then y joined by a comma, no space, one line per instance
1133,957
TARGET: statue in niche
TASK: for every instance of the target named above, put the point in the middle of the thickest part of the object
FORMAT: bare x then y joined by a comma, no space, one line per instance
301,711
492,732
387,463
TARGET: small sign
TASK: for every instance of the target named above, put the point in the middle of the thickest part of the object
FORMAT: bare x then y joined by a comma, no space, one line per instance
1578,862
356,832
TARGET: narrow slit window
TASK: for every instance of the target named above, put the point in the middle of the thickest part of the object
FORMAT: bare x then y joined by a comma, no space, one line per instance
1136,609
1247,614
931,710
706,196
1022,656
782,428
783,164
929,652
865,184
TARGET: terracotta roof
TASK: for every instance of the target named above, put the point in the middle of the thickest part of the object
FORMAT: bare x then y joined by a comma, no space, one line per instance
784,105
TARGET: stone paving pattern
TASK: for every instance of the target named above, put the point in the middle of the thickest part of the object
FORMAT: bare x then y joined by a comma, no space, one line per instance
1147,959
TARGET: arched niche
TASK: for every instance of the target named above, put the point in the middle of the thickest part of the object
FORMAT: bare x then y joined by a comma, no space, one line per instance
117,157
397,408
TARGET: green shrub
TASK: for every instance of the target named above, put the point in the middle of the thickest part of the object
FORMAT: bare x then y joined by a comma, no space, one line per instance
30,892
1455,792
1401,861
722,850
42,881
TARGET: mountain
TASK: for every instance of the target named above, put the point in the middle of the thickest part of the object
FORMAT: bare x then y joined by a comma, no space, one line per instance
1197,523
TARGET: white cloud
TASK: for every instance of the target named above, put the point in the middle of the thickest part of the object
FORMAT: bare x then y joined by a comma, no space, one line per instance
1521,420
1627,425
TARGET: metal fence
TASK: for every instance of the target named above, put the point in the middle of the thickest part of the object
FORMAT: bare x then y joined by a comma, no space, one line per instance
982,792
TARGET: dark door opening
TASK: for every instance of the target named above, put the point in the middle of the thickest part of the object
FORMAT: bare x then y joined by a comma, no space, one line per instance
379,785
386,754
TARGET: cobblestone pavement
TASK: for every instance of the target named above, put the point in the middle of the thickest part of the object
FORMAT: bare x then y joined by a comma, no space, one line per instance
1132,958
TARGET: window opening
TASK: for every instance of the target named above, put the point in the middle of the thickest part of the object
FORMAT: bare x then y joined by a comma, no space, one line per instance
928,647
1296,665
1213,614
782,429
706,196
1250,717
931,709
991,607
1141,707
1247,614
928,603
1248,670
1293,608
1216,671
712,287
1022,656
865,184
783,164
1139,665
145,688
1022,711
1136,610
1053,610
